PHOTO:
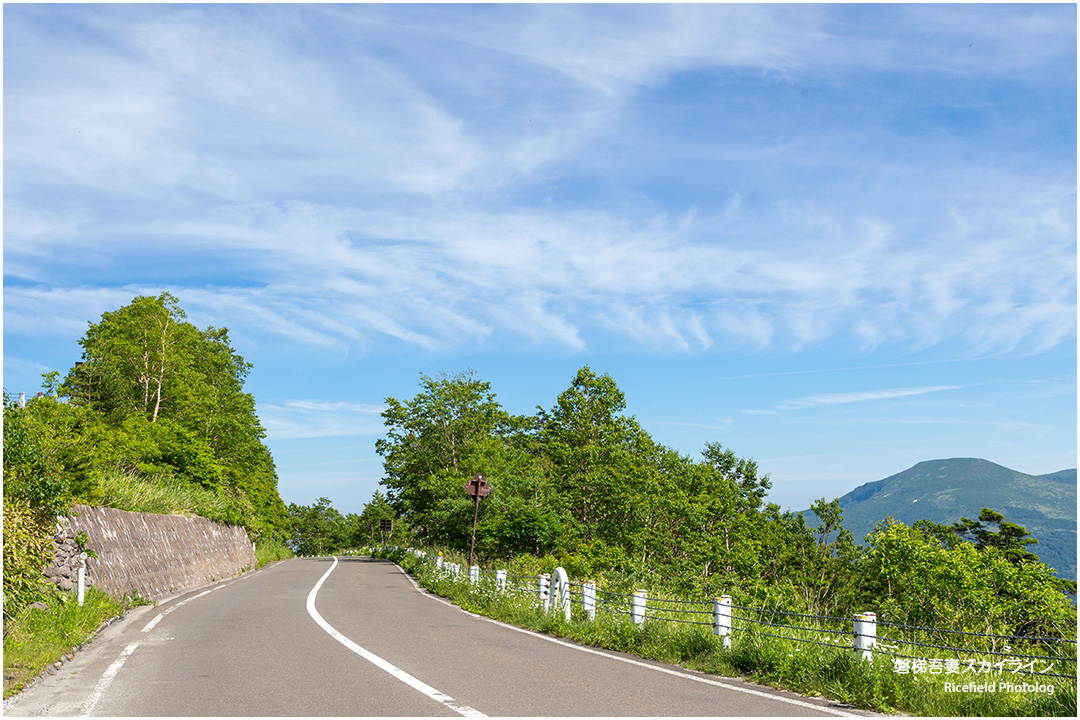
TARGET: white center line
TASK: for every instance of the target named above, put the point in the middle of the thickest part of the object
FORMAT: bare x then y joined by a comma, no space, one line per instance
378,662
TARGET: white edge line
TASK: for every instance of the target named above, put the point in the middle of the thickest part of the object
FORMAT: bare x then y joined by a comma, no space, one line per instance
110,672
150,625
106,679
378,662
630,661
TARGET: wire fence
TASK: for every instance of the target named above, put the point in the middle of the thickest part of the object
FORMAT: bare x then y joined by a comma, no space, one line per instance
859,634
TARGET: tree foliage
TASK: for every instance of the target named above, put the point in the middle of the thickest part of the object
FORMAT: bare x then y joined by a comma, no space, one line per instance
1010,538
154,397
29,477
584,485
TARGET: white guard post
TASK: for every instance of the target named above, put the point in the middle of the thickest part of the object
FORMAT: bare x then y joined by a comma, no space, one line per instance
544,591
82,577
721,614
438,561
637,606
588,599
561,591
500,579
474,574
865,630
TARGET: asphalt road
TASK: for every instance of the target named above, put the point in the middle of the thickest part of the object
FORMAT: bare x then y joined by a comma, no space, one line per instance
355,637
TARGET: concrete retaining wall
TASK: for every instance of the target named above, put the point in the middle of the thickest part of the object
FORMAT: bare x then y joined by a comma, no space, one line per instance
150,555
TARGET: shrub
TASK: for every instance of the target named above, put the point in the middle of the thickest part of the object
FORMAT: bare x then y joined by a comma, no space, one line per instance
28,548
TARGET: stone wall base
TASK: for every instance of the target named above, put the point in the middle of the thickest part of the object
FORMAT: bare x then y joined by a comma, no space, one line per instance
148,555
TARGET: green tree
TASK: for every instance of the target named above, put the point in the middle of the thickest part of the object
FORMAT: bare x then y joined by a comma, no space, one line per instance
1010,538
34,493
155,395
452,430
366,525
916,581
589,444
318,528
137,359
29,476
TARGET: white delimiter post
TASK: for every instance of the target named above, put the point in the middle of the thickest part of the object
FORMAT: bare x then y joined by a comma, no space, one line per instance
721,614
474,574
865,631
544,591
82,577
500,579
562,582
588,599
438,561
637,606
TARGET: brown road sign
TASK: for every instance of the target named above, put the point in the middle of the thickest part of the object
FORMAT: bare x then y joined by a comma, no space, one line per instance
478,486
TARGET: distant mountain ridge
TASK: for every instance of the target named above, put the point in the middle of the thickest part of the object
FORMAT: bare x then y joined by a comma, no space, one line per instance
946,490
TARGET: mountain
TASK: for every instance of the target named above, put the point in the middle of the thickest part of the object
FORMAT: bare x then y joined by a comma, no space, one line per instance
946,490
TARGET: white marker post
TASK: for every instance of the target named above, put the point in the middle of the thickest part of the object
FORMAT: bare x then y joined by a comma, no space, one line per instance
82,577
865,631
722,618
544,591
637,606
588,599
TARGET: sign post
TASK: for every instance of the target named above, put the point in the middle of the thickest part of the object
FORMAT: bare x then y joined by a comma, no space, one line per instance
476,488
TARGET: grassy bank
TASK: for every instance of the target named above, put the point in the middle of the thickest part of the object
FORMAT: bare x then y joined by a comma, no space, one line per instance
808,669
39,638
268,551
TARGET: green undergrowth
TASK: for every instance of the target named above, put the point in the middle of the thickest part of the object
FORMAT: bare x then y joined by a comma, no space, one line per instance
37,639
268,551
805,668
160,494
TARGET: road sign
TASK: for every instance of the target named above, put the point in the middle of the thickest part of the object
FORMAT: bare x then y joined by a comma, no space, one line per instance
478,486
386,525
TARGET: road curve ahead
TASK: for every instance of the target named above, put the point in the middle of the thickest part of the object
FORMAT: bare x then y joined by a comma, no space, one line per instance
354,637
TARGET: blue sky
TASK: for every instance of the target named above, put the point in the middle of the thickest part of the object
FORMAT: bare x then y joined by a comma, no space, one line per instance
839,240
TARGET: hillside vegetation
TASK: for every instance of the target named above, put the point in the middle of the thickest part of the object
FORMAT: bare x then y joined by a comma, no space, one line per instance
154,418
583,485
944,491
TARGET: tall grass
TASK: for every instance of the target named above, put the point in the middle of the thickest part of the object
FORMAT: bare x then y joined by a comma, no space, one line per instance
268,551
810,669
161,494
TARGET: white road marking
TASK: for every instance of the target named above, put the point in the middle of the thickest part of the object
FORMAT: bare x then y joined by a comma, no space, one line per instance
150,625
110,672
378,662
630,661
106,679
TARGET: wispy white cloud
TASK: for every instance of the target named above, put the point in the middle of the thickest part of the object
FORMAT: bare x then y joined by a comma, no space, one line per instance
814,401
338,406
374,188
307,419
434,282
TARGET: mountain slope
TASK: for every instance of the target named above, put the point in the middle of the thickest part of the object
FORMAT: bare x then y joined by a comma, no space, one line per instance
946,490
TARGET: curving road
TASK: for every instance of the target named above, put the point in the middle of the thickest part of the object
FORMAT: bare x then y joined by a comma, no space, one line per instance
355,637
